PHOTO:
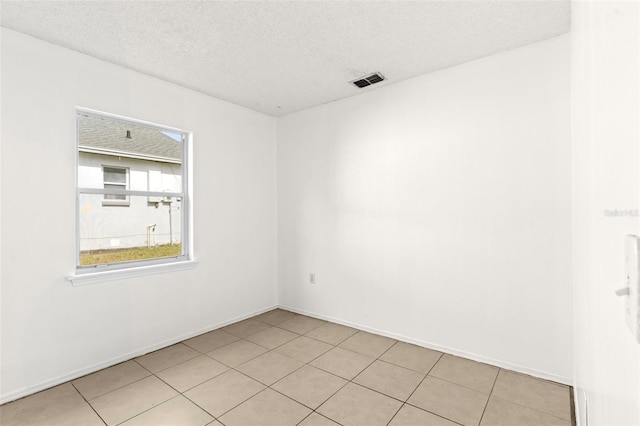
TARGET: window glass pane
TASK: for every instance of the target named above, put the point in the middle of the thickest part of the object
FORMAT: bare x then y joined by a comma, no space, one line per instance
113,196
114,175
116,154
110,234
109,148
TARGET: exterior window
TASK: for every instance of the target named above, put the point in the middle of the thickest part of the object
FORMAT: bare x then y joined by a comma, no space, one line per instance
115,178
140,166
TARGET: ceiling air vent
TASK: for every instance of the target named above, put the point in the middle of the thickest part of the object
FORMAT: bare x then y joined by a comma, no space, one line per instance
368,80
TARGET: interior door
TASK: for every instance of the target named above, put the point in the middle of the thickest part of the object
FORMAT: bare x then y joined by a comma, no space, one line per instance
606,194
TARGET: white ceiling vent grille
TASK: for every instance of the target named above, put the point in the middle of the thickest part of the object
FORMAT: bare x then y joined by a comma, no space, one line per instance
368,80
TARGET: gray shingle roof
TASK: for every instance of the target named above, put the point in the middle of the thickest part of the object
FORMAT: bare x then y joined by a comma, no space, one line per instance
102,135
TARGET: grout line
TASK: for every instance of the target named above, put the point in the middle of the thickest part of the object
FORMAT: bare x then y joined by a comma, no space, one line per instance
187,390
171,366
396,413
434,414
377,391
149,409
88,403
202,408
315,412
420,384
329,397
486,404
121,387
303,364
425,376
235,406
267,385
534,409
403,403
355,331
233,367
288,397
458,384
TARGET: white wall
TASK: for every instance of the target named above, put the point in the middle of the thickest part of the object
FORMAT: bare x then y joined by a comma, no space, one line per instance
606,111
52,331
438,210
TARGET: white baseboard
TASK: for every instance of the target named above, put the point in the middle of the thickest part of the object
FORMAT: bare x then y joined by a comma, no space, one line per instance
429,345
20,393
581,404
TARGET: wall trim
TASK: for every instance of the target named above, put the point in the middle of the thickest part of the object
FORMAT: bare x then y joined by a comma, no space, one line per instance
429,345
163,266
580,403
20,393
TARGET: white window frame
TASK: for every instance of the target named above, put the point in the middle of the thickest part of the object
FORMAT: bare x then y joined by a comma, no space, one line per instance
112,202
84,275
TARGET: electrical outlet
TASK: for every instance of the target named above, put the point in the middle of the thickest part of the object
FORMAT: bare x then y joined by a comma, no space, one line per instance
312,278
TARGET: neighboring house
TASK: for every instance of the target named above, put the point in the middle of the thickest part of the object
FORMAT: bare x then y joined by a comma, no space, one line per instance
120,155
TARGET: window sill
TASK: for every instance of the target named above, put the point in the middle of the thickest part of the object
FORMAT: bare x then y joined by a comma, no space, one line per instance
121,274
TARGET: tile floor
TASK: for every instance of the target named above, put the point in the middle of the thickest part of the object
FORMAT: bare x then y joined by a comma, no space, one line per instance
280,369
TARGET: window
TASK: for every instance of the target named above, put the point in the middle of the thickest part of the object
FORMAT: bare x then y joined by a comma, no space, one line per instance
141,166
115,178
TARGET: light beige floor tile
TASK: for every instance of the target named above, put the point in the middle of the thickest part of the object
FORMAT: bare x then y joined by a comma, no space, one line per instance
79,415
389,379
131,400
272,337
412,416
274,317
550,398
465,372
176,411
270,367
412,357
110,379
268,408
301,324
304,349
331,333
310,386
342,362
167,357
451,401
237,353
215,423
355,405
209,341
59,405
368,344
222,393
501,412
246,328
183,377
316,419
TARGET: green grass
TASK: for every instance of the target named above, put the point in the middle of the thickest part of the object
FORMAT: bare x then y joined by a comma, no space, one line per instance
100,257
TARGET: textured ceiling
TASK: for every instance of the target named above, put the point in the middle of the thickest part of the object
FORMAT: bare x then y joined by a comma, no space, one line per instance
280,57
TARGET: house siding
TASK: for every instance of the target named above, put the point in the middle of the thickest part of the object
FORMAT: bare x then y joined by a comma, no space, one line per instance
105,227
